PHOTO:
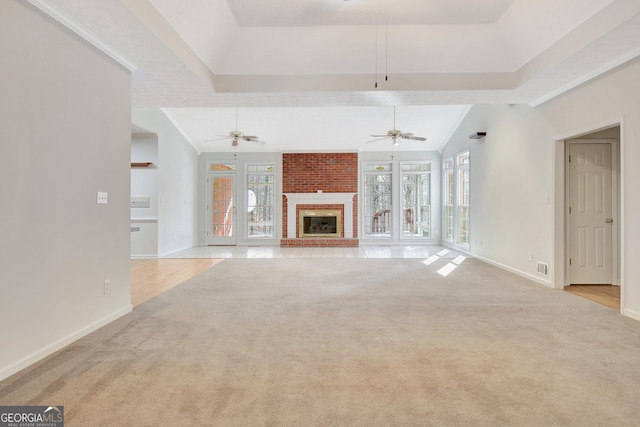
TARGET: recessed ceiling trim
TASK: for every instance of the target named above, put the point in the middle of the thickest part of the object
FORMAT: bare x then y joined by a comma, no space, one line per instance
85,34
589,76
598,26
159,26
364,82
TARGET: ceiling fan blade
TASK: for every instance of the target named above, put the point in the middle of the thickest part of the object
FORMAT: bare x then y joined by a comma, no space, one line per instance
380,136
253,139
216,139
374,140
415,138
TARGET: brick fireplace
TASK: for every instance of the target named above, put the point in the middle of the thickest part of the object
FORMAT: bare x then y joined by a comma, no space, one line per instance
316,183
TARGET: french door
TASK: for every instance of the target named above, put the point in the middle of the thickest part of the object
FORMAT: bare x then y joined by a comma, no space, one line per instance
221,208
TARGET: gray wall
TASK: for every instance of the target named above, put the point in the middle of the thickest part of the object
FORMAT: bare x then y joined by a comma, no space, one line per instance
65,120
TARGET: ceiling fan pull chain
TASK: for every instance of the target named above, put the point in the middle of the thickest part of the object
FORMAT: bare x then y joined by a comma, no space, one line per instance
386,46
376,57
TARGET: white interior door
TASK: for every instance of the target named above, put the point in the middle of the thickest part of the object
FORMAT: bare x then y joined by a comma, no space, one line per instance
590,213
221,209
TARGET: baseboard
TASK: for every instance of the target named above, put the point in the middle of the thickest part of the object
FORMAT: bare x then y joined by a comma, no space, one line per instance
630,313
60,344
145,256
175,251
515,271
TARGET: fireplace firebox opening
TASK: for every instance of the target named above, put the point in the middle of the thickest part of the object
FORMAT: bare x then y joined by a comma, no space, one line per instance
320,223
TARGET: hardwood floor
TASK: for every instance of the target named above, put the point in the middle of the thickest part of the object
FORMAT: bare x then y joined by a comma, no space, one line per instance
151,277
608,295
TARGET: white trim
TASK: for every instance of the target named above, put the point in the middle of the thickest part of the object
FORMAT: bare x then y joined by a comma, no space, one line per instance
501,266
621,219
59,16
174,251
294,199
635,315
609,123
60,344
585,78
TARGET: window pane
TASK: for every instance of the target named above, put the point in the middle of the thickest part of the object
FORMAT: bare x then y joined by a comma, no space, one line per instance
448,222
448,164
380,167
448,205
463,201
416,198
214,167
377,205
260,201
464,224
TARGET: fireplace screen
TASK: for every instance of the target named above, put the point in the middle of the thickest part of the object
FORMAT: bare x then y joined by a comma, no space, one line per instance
320,223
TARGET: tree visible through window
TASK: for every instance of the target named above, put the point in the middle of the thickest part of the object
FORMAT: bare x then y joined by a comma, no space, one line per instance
463,198
260,200
449,195
377,200
416,199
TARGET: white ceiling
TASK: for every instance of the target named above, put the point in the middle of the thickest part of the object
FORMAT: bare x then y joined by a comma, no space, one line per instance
302,73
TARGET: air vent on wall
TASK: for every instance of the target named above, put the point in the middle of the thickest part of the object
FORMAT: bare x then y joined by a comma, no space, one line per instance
543,268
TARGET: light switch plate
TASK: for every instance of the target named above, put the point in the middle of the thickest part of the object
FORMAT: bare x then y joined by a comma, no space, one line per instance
103,197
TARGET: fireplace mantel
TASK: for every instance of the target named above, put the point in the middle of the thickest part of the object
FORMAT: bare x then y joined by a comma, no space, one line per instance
295,199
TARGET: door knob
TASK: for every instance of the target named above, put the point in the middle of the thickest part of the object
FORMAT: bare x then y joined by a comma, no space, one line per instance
608,220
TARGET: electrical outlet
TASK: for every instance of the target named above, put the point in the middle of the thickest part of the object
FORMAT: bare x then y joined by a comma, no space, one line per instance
107,286
103,197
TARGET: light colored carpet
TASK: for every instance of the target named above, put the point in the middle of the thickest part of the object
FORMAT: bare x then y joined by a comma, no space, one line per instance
348,342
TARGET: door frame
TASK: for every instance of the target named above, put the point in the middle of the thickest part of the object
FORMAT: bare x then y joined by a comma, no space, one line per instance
558,201
614,205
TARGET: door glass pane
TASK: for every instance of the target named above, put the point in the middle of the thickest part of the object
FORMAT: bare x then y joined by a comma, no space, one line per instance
260,202
416,198
377,205
222,206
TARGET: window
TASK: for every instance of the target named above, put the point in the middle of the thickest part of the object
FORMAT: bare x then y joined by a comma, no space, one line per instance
449,194
260,200
416,199
462,164
377,200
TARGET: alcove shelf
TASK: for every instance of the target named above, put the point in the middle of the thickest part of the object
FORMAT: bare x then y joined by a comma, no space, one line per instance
141,164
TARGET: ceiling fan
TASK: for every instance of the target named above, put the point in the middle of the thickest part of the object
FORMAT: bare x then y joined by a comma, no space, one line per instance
235,136
394,134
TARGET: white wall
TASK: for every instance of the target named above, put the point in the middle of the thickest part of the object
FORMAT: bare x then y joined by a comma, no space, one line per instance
609,100
520,162
177,182
64,136
511,177
144,183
